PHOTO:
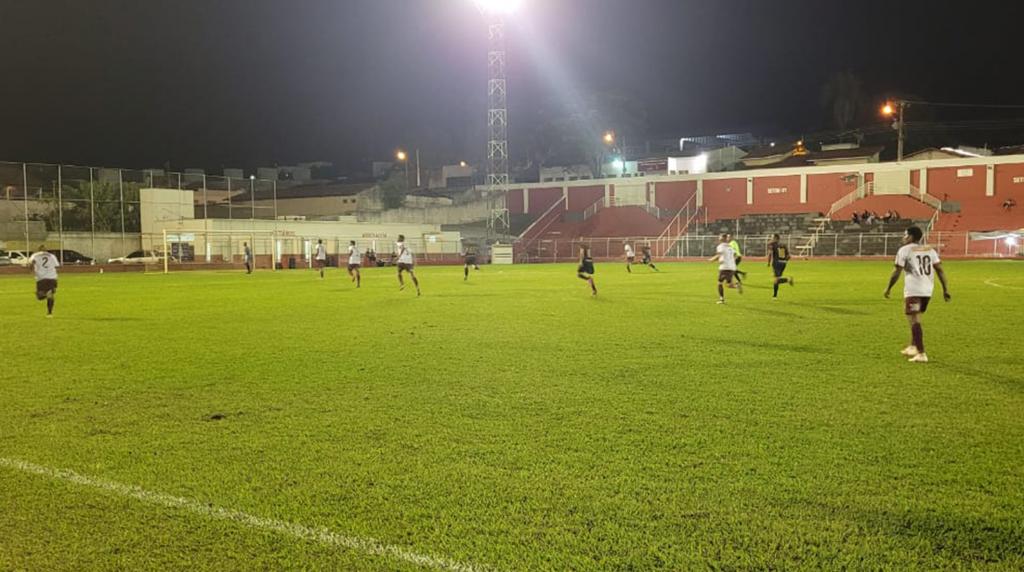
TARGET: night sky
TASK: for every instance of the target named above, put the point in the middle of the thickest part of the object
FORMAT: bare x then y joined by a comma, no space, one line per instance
208,83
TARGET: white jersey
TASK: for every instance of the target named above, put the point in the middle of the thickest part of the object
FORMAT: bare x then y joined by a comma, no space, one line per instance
45,265
917,262
321,252
629,251
404,254
354,256
726,257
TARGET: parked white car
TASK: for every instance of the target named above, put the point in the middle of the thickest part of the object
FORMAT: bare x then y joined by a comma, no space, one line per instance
19,257
139,257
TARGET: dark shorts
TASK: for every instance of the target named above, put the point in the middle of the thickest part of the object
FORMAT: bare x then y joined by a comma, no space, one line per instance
646,260
738,260
630,259
778,268
585,268
43,287
725,275
352,267
405,266
915,305
471,261
319,263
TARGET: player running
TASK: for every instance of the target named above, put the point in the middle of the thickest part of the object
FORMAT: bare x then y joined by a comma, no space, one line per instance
726,258
778,256
320,257
45,264
469,259
630,257
355,260
405,264
585,270
919,263
739,258
247,257
645,257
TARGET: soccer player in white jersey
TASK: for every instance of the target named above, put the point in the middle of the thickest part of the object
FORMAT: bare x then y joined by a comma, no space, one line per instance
45,266
919,264
726,258
355,260
406,264
321,257
630,256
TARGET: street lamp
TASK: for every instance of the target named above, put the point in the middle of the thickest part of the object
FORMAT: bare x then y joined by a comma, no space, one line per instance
609,137
889,110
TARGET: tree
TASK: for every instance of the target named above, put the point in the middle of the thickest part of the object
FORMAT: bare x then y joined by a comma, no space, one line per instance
393,189
843,99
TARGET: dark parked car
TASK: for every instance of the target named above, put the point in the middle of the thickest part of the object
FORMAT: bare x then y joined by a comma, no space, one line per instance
71,257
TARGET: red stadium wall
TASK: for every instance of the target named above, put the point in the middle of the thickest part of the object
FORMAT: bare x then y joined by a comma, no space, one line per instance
915,178
582,197
674,195
777,195
945,181
1009,182
725,198
514,202
823,190
542,199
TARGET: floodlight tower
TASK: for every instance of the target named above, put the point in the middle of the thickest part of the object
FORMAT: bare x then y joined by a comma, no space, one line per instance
495,11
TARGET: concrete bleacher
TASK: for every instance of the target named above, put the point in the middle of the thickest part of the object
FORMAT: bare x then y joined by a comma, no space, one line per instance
765,224
907,206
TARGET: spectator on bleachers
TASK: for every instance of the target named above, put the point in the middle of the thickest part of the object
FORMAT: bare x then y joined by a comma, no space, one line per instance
896,216
855,218
1008,204
870,218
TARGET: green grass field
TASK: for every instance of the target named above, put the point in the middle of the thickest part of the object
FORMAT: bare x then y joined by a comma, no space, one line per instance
276,421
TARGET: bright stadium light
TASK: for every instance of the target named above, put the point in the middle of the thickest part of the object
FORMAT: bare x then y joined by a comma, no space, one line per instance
499,6
887,109
400,155
609,137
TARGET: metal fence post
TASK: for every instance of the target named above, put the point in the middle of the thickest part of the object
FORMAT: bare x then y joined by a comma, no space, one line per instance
24,192
60,211
835,252
966,244
229,199
120,188
206,200
860,244
885,247
92,216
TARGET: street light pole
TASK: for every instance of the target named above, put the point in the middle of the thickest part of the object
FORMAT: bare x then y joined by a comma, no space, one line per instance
899,123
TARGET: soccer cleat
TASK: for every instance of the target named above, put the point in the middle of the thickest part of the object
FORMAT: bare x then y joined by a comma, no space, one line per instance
721,301
910,351
739,288
49,315
920,358
401,287
790,281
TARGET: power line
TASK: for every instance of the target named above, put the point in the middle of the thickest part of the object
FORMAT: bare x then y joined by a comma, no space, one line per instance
978,105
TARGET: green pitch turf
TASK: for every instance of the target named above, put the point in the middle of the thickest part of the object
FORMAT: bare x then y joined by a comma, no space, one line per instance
511,422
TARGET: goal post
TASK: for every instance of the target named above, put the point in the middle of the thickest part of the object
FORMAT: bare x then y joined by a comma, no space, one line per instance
217,249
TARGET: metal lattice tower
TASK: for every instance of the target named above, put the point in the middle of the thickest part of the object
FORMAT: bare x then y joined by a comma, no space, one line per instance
497,123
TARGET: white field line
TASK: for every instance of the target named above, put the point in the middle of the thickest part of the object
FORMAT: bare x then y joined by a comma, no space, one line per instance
323,536
992,282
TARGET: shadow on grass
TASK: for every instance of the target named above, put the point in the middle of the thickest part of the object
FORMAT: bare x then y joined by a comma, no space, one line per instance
962,539
748,343
833,308
107,319
989,376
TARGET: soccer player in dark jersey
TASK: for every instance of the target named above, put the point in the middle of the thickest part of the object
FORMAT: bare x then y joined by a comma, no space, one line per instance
247,257
585,270
469,259
778,256
645,252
